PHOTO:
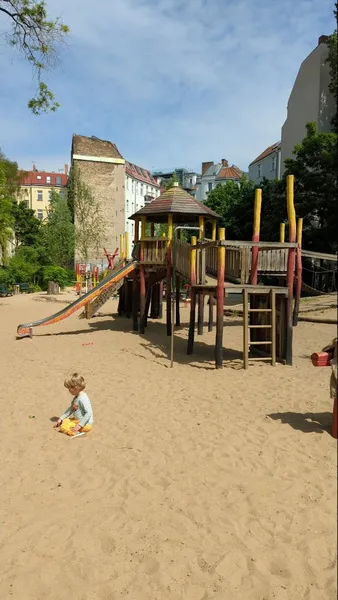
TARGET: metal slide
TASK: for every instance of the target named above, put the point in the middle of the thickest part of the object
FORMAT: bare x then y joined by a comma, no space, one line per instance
25,329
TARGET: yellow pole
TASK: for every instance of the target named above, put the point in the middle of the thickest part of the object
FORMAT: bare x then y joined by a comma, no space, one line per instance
170,227
201,234
291,206
126,242
257,215
213,235
121,246
193,254
282,233
299,230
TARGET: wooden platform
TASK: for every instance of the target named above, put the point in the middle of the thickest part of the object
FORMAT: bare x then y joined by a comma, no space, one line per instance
230,288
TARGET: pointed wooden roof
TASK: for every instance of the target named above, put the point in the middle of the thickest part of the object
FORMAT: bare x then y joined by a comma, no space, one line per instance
177,202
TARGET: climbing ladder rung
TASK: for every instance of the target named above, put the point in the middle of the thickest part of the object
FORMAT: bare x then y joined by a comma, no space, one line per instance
260,358
264,310
260,326
261,343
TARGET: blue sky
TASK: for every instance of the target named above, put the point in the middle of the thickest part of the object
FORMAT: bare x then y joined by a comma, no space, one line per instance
171,82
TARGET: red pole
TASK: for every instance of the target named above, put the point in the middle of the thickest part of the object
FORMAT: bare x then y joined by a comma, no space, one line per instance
255,236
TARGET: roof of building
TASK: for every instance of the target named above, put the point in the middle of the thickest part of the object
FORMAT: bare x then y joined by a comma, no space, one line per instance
212,170
232,172
267,152
174,201
40,178
140,174
93,146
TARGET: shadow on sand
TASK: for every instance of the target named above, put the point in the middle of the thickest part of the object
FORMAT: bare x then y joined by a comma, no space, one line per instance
306,422
157,343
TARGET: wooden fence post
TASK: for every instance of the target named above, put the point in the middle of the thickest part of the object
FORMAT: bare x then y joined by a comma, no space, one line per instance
255,236
291,264
220,300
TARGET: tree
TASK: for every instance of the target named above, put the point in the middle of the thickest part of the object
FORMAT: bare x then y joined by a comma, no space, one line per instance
333,63
173,179
90,228
6,229
38,38
57,234
26,225
314,166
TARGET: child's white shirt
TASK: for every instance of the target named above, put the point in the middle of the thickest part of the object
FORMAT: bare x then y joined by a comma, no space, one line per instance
81,410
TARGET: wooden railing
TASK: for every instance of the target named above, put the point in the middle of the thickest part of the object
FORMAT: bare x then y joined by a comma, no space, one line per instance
182,251
153,251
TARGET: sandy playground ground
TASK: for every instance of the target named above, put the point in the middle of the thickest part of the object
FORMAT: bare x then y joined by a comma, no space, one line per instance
195,484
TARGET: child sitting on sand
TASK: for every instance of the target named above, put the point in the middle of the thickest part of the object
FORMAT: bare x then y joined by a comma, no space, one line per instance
78,418
333,350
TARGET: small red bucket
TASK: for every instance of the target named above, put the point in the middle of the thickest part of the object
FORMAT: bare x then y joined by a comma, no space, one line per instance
321,359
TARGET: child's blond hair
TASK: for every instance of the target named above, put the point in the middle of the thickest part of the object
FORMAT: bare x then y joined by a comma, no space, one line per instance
75,382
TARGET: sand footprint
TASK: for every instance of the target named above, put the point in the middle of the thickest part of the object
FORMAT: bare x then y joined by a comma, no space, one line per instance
108,545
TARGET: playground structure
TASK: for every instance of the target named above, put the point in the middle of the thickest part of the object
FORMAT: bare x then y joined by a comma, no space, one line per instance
87,277
213,267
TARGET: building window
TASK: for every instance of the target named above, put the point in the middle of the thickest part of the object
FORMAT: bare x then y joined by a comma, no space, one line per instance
209,186
26,203
48,179
49,195
38,176
40,214
141,190
273,163
62,193
39,195
259,170
58,180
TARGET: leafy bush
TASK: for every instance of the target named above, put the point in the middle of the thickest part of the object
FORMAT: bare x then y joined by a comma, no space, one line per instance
23,266
57,274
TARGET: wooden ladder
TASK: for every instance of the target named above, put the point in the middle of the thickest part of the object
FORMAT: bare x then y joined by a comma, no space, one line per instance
270,326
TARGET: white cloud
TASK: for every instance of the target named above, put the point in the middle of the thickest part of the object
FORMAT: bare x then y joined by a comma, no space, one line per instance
172,83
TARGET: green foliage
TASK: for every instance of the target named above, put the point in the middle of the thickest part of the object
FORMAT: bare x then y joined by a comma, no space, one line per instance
6,228
57,274
57,234
90,228
173,179
26,225
314,166
39,39
24,266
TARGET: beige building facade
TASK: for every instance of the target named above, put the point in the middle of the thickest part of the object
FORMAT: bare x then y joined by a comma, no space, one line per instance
310,100
102,169
37,186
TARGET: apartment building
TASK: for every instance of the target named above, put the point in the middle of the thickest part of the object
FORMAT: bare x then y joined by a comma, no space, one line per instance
214,174
140,188
310,100
267,165
187,179
37,186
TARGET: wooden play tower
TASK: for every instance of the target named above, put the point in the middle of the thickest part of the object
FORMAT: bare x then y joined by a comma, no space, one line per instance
215,268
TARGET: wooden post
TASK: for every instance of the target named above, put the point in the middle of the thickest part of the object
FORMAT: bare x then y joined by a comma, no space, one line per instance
201,225
147,305
255,236
155,308
152,229
178,286
143,227
142,297
245,328
291,264
213,233
161,286
298,271
220,301
169,273
200,314
121,246
129,296
193,254
211,312
282,233
137,231
126,245
273,326
135,301
191,334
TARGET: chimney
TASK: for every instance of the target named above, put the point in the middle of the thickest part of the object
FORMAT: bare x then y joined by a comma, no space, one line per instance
66,170
323,39
34,167
205,166
224,162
